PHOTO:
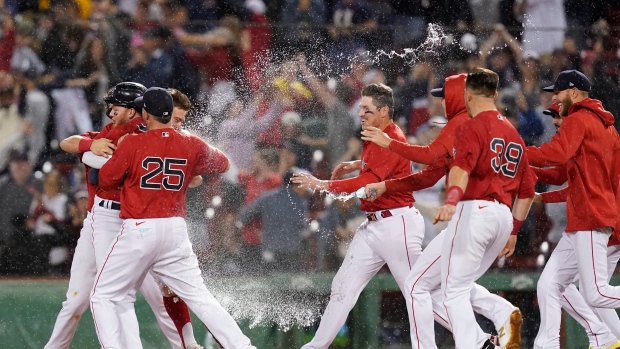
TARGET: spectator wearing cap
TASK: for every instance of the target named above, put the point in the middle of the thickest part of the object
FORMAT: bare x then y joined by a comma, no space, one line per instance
16,194
150,65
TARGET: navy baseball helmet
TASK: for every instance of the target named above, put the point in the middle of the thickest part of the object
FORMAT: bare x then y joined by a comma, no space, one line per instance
124,93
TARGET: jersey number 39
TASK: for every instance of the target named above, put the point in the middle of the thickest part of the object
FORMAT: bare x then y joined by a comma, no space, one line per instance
172,178
506,158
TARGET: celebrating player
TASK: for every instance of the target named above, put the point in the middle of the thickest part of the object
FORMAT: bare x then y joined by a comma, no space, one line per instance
152,169
394,231
101,226
424,279
489,170
586,144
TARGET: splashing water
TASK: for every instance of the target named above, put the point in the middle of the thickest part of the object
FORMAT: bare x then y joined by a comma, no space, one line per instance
435,40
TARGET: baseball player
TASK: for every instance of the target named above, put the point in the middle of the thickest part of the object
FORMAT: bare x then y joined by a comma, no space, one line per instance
153,168
394,230
489,171
176,307
556,275
100,227
424,280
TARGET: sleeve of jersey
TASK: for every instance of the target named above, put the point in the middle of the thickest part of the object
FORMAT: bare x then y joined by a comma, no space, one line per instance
562,146
419,180
119,131
554,196
211,160
528,180
556,175
467,148
417,153
350,185
112,173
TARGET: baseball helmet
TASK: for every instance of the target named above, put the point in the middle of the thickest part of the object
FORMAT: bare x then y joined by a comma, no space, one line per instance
124,93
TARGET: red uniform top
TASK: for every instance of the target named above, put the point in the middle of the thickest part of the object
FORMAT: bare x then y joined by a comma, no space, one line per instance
155,169
588,144
91,188
456,113
441,149
251,232
379,164
491,151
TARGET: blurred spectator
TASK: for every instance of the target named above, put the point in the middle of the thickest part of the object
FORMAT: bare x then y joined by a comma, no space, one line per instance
7,40
411,99
12,125
18,257
78,209
48,210
302,16
262,177
283,213
16,193
36,110
410,19
603,87
294,140
544,23
25,57
351,20
237,133
150,65
336,230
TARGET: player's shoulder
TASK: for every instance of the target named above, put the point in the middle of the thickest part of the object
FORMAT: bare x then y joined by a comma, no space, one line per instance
395,132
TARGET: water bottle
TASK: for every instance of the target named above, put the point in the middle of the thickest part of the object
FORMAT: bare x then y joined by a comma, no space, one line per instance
360,193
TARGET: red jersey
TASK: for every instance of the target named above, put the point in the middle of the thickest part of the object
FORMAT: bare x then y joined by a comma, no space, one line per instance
385,164
588,144
155,169
491,151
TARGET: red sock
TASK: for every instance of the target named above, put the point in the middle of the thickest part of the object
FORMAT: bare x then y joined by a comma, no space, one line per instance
179,313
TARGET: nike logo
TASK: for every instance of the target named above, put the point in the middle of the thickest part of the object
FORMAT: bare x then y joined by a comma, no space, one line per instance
138,223
479,207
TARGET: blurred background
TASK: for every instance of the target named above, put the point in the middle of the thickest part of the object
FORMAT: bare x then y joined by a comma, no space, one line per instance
275,85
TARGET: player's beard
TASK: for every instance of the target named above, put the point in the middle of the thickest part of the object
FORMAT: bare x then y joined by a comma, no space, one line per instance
567,102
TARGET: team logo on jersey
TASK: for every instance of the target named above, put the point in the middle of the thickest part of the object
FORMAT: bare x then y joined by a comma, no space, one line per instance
142,128
165,134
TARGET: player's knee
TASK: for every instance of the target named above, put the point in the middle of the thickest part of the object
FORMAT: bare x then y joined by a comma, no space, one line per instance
593,297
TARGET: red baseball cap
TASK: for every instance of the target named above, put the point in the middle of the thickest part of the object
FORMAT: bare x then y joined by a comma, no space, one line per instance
553,110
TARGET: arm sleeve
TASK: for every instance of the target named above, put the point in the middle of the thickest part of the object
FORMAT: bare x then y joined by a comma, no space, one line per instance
555,196
420,154
210,160
419,180
556,175
350,185
113,172
528,180
562,146
94,161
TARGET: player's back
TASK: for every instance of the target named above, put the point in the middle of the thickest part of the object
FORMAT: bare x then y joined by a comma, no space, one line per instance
491,150
162,163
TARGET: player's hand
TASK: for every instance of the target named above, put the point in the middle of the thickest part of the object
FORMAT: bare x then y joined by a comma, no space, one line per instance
102,147
509,249
196,181
374,190
306,180
537,198
444,213
345,167
375,135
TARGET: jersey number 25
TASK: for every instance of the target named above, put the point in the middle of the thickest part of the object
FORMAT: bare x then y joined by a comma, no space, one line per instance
506,158
172,178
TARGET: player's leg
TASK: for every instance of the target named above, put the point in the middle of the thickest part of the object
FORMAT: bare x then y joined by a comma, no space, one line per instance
152,293
559,272
506,317
177,266
360,264
179,313
83,271
473,240
124,267
591,252
610,316
573,303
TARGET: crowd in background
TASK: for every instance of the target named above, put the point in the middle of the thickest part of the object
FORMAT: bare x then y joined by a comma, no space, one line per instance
275,85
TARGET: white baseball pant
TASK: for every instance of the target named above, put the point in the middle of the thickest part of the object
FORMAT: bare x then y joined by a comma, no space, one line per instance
474,238
100,228
425,299
601,325
162,246
396,240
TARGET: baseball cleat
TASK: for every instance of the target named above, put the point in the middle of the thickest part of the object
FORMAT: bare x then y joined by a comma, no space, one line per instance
510,334
194,346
